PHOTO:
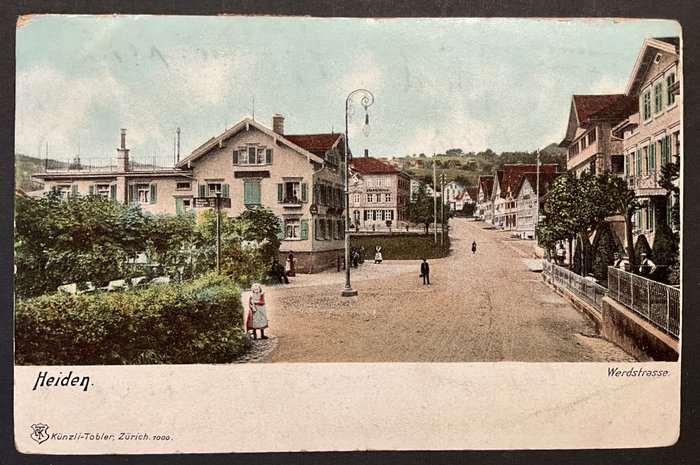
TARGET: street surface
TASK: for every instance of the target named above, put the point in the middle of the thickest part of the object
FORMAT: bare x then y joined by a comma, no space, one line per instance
481,307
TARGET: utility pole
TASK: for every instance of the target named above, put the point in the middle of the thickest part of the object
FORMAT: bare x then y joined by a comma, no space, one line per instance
434,200
537,197
442,208
218,232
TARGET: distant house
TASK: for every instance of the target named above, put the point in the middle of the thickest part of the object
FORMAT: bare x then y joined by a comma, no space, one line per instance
503,195
298,177
589,142
528,203
652,134
484,203
379,195
452,194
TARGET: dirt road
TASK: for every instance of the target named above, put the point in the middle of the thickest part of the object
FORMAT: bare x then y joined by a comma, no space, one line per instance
485,306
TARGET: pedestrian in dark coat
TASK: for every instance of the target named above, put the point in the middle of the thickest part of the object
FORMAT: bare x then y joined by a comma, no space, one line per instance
425,272
474,247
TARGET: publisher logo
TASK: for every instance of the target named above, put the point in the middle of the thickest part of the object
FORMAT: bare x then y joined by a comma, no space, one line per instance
39,433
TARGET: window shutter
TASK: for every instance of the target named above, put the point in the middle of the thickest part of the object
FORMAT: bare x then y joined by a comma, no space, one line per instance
257,200
224,191
91,189
304,230
113,193
131,193
74,189
280,229
280,192
304,192
652,156
268,156
235,157
201,189
316,229
179,206
153,198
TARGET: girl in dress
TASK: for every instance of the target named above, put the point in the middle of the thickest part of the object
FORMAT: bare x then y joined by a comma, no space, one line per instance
378,254
257,313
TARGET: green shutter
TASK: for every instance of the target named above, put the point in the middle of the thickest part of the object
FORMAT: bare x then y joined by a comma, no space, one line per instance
280,229
251,155
280,192
201,189
235,157
91,189
251,192
257,200
131,193
74,189
268,156
304,230
652,156
304,192
153,198
179,206
224,191
113,193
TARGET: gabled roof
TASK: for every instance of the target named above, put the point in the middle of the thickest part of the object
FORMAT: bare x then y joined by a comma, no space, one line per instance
513,173
473,192
318,144
244,124
486,184
546,180
370,165
650,47
589,109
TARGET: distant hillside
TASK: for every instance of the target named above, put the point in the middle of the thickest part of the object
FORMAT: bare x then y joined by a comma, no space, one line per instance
25,166
465,168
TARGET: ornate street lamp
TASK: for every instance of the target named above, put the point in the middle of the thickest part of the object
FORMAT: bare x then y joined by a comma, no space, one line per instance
366,99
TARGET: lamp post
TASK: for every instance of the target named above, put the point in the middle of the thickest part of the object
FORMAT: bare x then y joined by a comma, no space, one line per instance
366,99
537,198
442,208
218,232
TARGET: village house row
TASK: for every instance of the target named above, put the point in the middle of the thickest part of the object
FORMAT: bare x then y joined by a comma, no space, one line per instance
632,135
299,177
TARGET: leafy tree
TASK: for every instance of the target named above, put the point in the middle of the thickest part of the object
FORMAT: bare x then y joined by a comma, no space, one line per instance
623,202
560,222
420,210
603,252
171,241
260,225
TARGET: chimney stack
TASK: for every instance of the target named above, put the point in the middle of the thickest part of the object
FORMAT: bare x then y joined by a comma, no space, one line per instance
123,154
366,153
278,124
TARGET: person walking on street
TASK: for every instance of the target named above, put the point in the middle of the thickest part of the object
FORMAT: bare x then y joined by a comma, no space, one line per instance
289,266
425,272
474,247
378,254
257,312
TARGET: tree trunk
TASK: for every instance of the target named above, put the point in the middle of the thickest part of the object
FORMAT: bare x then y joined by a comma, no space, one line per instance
571,254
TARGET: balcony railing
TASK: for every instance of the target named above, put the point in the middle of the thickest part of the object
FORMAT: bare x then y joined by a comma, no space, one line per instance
646,181
97,165
655,302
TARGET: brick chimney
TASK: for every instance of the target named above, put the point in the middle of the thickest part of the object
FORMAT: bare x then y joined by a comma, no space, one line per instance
278,124
366,153
123,154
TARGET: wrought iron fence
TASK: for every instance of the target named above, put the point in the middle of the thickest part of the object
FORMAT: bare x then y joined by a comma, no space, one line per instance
96,165
655,302
585,288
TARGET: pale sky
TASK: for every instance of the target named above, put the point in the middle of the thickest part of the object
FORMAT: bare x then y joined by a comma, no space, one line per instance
440,83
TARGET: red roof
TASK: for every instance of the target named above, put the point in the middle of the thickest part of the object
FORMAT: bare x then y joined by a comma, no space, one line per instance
486,183
513,173
473,192
617,110
370,165
318,144
596,107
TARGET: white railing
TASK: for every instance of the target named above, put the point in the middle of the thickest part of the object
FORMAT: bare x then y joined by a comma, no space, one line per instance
655,302
587,289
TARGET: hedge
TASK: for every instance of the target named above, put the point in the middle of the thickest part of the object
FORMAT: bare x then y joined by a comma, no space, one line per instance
194,322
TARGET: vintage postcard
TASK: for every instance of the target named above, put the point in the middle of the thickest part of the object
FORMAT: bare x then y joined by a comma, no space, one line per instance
269,233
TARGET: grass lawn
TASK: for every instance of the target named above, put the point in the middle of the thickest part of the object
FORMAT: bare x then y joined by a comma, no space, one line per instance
402,247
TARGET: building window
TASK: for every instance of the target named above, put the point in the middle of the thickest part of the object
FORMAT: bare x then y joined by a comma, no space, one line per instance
251,192
63,190
387,197
103,190
142,193
370,198
646,105
292,229
252,155
356,216
637,163
387,182
357,199
389,215
214,188
183,186
592,136
658,97
670,96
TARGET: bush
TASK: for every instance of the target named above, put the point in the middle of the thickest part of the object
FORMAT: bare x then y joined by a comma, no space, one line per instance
642,246
664,253
195,322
